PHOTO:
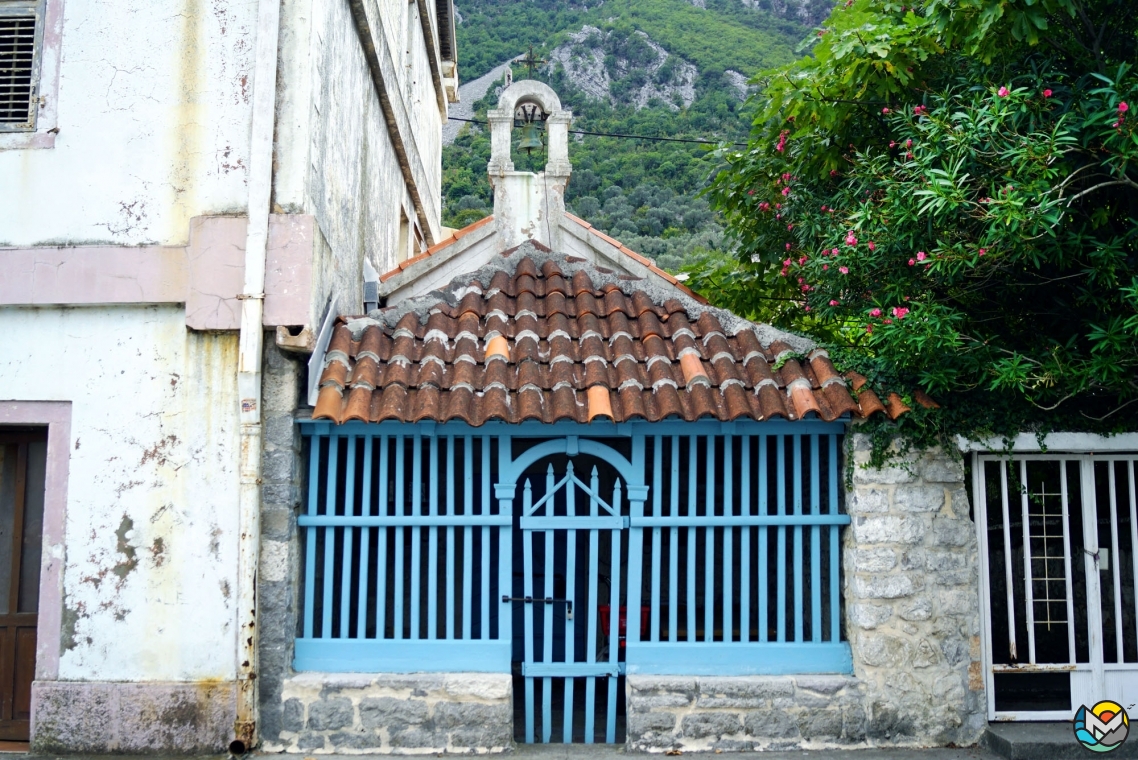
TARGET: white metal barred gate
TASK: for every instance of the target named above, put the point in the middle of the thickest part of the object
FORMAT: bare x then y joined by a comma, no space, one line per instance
1059,575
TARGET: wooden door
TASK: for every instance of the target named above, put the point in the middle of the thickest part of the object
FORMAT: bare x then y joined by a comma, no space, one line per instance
23,461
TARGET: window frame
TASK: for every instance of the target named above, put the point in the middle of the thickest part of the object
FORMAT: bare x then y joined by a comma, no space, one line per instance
40,130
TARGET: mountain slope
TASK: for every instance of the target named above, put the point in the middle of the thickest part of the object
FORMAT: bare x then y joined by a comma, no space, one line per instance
664,68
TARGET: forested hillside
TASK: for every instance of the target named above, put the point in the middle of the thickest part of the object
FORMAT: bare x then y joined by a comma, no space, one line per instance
663,68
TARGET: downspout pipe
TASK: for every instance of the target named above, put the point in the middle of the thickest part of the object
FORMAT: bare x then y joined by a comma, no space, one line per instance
249,370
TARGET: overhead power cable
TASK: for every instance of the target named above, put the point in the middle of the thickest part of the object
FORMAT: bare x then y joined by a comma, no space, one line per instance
617,134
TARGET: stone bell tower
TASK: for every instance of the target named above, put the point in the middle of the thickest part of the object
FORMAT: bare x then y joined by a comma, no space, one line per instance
529,206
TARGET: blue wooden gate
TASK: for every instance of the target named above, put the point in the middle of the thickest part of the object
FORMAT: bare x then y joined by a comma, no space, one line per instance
716,544
572,593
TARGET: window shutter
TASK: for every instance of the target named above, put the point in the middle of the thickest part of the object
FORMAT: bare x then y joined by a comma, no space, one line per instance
17,65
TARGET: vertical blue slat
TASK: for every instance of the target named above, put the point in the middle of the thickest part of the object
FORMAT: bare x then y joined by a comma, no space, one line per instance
485,617
416,532
673,545
505,544
632,602
399,508
528,538
657,510
614,619
365,539
433,542
449,580
745,544
798,608
381,545
346,566
591,610
764,506
468,537
693,468
835,610
709,546
728,538
547,612
781,504
314,446
571,595
329,538
815,549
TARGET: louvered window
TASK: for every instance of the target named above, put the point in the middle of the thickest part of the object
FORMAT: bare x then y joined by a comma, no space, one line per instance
18,64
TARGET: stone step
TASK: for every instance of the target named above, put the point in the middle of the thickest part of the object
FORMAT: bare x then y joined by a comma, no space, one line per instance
1047,741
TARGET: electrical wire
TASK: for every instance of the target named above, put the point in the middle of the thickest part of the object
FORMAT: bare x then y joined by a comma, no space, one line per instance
617,134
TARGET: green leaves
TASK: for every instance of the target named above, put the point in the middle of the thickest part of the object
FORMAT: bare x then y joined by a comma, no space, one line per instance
968,225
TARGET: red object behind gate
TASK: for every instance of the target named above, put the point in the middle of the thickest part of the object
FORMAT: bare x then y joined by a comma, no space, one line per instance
622,623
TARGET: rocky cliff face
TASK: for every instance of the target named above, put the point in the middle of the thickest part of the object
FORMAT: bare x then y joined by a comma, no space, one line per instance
627,69
809,12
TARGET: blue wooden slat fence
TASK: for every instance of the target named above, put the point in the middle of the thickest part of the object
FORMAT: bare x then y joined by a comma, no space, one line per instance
728,539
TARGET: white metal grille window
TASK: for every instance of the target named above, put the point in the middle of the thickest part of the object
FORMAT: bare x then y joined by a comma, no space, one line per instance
1059,536
20,33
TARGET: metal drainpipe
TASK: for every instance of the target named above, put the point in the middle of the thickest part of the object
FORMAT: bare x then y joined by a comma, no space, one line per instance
249,370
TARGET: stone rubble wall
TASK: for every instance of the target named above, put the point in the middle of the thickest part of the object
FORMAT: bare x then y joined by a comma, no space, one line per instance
744,713
913,599
912,617
396,714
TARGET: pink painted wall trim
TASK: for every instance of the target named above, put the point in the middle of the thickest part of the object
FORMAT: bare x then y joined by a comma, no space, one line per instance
57,416
207,275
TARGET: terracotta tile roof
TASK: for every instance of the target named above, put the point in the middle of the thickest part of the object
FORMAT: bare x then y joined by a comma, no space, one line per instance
545,343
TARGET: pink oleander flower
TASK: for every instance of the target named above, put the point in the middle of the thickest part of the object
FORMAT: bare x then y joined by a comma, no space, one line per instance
750,192
788,246
921,255
1047,93
823,208
807,307
869,329
778,205
900,312
920,110
912,262
888,321
884,110
782,273
825,267
850,239
844,270
892,144
1003,92
833,251
983,251
786,263
801,260
1123,108
875,313
764,206
872,246
789,227
834,303
833,172
786,191
908,143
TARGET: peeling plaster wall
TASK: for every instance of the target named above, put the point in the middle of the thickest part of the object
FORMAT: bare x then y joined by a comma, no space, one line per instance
151,531
153,116
335,157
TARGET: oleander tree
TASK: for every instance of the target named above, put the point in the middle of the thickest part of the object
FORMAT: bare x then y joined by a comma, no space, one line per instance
947,193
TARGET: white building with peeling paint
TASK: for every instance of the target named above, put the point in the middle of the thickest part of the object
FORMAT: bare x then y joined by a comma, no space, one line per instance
184,185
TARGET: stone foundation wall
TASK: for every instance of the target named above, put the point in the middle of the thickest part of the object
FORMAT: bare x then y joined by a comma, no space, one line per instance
105,718
693,713
912,616
396,714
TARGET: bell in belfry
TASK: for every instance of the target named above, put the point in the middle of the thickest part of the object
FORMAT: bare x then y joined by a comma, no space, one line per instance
531,137
531,119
